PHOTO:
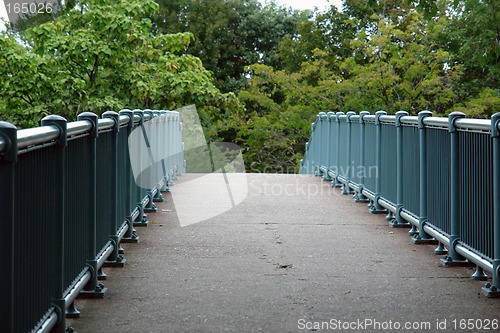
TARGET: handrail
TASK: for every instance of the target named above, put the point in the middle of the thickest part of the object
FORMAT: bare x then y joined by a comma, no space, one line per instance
75,166
422,163
35,136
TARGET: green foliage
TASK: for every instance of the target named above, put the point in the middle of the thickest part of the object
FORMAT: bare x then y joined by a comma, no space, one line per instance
228,34
103,56
376,55
285,65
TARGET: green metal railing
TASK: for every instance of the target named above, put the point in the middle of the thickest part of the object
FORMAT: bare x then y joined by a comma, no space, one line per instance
439,176
68,198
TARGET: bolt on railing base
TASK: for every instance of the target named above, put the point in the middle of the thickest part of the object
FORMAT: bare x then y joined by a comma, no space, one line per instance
98,292
143,222
490,291
158,197
119,262
419,240
396,224
327,178
448,261
132,239
374,210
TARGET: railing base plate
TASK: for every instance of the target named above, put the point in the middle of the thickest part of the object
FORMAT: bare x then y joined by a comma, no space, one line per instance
119,262
447,261
97,293
130,240
419,240
490,291
396,224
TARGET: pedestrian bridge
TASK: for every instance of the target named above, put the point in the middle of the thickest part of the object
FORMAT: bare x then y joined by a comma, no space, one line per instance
107,243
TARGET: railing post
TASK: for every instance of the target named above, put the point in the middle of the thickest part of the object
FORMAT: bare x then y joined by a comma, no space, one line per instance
335,182
8,133
142,218
453,258
159,145
131,234
57,260
151,207
164,157
321,144
421,237
376,208
328,163
398,220
93,289
114,259
493,289
314,138
359,196
345,188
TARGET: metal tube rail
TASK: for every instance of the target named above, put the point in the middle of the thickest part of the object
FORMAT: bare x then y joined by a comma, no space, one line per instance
472,256
105,254
436,122
49,323
34,136
474,124
78,286
105,123
78,127
369,118
409,120
368,194
388,119
437,235
410,218
387,205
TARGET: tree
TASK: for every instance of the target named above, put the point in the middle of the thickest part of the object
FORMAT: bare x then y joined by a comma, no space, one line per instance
403,69
228,34
103,55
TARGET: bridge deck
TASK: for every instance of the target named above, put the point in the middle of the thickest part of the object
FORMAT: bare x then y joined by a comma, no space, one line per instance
293,253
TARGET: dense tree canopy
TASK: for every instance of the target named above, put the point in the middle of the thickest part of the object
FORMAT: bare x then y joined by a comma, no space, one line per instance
102,55
284,66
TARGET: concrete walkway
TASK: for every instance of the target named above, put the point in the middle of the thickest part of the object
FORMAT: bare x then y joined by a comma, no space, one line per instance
294,256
